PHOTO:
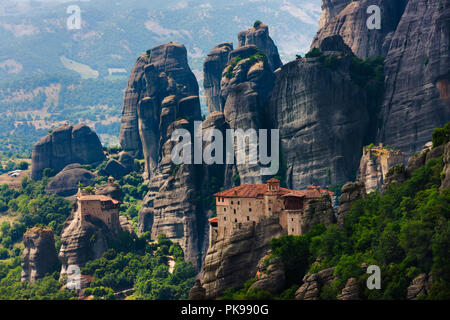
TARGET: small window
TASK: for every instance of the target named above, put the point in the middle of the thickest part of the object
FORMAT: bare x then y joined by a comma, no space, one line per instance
270,209
234,211
248,218
224,218
231,202
224,209
235,220
250,209
292,230
292,219
239,202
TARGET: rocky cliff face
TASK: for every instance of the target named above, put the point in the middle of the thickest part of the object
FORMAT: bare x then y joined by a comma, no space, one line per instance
330,9
39,255
349,20
245,88
323,118
259,37
232,261
161,89
417,75
213,67
65,145
375,165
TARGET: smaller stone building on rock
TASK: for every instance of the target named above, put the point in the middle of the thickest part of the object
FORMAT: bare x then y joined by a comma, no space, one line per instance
99,206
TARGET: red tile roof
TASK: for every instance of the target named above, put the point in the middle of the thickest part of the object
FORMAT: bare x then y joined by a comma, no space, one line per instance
94,197
214,220
258,191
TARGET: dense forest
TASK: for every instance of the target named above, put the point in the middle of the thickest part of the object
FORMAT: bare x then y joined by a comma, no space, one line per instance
405,231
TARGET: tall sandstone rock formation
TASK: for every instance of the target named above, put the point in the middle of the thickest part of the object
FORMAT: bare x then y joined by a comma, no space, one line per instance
39,255
83,239
259,37
323,118
245,89
162,96
215,63
233,260
349,20
160,73
375,164
417,98
65,145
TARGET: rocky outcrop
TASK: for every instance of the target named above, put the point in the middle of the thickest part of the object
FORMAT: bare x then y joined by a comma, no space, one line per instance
375,164
417,74
213,67
66,183
111,189
312,284
65,145
171,206
197,292
270,275
446,179
350,291
317,211
323,119
259,36
419,286
351,192
396,174
349,20
160,73
330,9
39,254
232,261
83,239
114,169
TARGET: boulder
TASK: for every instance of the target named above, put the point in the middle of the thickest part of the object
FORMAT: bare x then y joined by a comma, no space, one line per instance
114,169
270,275
313,283
350,291
66,145
419,286
66,182
110,189
197,292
